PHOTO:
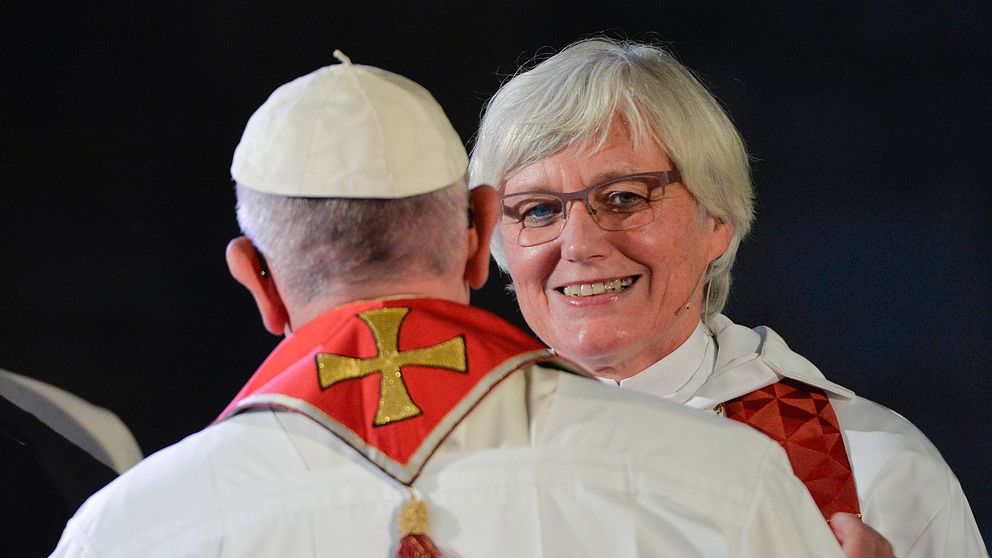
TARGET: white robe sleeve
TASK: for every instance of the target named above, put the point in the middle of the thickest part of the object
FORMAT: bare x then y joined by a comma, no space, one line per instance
942,525
783,520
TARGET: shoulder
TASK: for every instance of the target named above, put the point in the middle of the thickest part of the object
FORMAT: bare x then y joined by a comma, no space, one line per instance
876,437
855,413
661,438
647,460
861,416
884,446
907,490
179,497
690,462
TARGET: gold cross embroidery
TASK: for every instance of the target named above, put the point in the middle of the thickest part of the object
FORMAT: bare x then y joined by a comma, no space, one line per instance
394,399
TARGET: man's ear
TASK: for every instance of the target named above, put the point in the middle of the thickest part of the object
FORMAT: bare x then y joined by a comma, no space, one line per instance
485,213
245,266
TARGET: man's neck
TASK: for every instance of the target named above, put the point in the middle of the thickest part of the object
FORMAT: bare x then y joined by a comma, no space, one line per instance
301,314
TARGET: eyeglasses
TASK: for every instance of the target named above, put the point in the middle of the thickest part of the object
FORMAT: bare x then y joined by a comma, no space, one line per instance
618,204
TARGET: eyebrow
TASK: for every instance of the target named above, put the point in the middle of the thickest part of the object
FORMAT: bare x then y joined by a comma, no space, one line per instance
599,178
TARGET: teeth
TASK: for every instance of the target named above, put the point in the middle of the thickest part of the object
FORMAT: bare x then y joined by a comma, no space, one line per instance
592,289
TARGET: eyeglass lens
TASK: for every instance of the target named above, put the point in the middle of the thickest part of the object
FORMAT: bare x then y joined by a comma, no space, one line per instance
620,204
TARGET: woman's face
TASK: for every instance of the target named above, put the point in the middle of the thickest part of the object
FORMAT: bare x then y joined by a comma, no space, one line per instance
632,310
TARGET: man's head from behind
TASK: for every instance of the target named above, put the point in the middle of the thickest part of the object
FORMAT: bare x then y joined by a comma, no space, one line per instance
350,184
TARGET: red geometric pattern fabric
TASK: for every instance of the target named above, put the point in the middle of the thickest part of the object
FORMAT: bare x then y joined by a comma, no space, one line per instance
800,418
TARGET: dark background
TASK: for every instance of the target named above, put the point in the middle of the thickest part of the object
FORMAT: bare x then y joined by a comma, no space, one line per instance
868,121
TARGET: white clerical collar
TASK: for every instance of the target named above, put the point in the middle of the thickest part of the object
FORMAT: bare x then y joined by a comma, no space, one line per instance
678,375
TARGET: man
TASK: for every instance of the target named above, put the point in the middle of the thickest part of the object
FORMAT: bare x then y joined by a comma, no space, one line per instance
625,194
391,401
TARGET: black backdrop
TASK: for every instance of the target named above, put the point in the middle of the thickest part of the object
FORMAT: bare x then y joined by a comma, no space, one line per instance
868,122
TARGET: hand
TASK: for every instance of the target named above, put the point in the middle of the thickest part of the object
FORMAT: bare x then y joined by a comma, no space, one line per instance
858,540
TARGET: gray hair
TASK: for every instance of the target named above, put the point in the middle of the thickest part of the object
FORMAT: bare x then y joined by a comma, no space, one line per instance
318,246
573,97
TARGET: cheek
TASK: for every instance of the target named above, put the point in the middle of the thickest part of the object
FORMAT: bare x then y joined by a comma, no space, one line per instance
529,269
659,251
674,256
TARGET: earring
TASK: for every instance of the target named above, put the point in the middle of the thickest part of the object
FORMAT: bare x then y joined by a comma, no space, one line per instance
263,266
706,298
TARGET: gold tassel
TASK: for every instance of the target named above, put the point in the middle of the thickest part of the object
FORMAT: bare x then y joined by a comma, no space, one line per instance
413,523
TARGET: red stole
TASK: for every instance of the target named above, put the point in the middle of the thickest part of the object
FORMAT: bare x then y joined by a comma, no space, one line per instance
800,418
392,378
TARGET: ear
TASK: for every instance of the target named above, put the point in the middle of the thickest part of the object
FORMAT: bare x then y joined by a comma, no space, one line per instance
485,211
719,233
245,267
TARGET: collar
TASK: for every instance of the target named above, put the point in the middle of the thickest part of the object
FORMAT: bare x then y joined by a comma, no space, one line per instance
749,359
391,378
713,366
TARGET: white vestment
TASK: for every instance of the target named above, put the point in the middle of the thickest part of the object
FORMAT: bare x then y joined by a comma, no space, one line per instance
905,489
549,464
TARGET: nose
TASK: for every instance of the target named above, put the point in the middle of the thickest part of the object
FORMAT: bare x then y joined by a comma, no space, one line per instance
582,238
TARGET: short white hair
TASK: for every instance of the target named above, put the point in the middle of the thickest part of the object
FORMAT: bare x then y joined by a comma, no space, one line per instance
328,245
573,98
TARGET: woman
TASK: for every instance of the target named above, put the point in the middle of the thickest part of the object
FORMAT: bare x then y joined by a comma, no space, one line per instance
625,194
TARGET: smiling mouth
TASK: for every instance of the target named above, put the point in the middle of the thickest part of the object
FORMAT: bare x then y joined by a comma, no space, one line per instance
593,289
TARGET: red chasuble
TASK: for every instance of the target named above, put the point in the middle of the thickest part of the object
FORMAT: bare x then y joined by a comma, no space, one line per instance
392,378
800,418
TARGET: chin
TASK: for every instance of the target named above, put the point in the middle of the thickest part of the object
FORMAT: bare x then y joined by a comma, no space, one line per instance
599,354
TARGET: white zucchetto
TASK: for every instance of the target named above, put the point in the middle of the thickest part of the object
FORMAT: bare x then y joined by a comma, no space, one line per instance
349,131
